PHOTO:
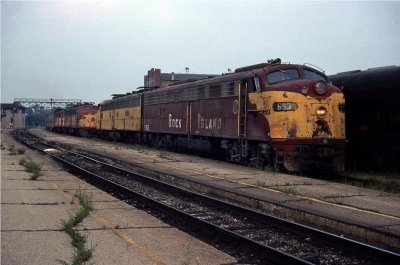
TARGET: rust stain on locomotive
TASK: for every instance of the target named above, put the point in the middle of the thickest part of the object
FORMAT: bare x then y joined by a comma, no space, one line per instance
321,129
297,133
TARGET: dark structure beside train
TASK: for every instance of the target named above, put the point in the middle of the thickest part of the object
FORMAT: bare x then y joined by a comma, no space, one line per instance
12,115
372,117
155,78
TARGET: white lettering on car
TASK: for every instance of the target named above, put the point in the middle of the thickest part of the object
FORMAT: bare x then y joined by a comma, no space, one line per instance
208,123
174,123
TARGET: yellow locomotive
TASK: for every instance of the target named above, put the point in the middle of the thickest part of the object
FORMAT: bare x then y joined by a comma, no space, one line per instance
305,115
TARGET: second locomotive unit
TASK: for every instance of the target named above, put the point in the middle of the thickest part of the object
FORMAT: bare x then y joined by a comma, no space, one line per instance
281,115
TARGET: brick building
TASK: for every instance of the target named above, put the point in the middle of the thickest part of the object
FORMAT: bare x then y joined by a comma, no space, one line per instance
12,116
155,78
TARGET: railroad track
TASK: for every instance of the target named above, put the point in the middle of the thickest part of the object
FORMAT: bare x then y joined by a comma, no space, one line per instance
264,236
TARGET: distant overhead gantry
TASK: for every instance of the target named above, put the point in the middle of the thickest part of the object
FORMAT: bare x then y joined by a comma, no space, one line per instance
46,103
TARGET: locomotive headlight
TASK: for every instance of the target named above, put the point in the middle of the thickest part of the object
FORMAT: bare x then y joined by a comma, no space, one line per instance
320,88
321,112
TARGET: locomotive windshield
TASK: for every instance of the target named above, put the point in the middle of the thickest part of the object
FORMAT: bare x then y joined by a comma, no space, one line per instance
282,75
311,75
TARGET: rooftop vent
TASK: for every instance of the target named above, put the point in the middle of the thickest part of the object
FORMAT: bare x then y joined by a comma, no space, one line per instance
260,65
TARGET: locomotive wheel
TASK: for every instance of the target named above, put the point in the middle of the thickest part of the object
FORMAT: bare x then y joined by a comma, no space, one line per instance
232,153
278,163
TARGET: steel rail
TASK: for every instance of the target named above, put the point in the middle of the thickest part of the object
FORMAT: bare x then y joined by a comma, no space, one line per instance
263,250
331,239
326,237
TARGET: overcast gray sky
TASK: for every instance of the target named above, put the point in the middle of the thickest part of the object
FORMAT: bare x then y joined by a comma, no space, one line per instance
91,49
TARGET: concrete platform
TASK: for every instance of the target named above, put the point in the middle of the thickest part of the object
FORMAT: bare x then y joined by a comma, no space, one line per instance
32,212
362,214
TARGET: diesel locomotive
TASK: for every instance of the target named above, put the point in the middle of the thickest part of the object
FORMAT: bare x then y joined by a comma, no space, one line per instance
72,120
275,114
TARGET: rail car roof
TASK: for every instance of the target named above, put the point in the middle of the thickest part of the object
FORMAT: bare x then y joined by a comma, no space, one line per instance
119,98
248,71
375,78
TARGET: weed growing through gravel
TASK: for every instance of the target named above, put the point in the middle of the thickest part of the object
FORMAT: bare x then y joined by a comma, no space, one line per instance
290,190
32,167
82,254
20,151
227,179
137,147
382,181
261,183
264,168
337,200
167,156
163,155
12,150
388,182
22,161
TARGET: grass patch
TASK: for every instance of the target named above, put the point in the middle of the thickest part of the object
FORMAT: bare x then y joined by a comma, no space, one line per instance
264,168
20,151
12,150
22,161
290,190
137,147
227,179
32,167
82,254
339,201
261,183
163,155
392,186
84,200
387,182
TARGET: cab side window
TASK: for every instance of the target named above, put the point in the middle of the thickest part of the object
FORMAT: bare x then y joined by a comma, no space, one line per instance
257,85
282,75
253,84
311,75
